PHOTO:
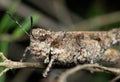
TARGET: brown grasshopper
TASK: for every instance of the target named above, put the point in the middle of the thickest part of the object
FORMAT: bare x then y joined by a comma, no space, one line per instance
72,47
77,47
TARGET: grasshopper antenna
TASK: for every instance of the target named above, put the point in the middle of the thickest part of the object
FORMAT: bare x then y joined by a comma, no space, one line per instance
31,26
18,23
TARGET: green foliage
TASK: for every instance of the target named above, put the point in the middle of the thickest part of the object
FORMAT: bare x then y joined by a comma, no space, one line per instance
4,27
4,23
95,9
17,33
7,24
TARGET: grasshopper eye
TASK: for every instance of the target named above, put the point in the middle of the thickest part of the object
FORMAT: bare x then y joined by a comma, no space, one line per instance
42,37
39,34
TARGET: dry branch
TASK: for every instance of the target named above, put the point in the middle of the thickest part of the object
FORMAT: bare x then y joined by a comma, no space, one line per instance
115,79
8,64
63,77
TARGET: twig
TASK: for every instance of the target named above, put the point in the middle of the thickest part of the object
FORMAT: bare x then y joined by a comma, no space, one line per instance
4,71
97,22
8,64
63,77
115,79
3,57
6,37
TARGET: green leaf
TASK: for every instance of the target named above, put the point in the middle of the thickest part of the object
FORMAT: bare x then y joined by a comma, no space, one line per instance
18,32
5,22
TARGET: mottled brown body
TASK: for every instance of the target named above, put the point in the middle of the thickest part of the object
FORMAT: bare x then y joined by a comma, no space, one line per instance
72,47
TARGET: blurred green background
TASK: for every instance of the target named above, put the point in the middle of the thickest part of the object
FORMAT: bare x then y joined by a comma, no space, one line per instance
56,15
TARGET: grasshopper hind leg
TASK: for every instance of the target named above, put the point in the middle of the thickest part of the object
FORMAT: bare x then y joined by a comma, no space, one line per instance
45,73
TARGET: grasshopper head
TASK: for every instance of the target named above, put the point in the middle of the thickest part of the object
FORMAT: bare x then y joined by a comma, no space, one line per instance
39,43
